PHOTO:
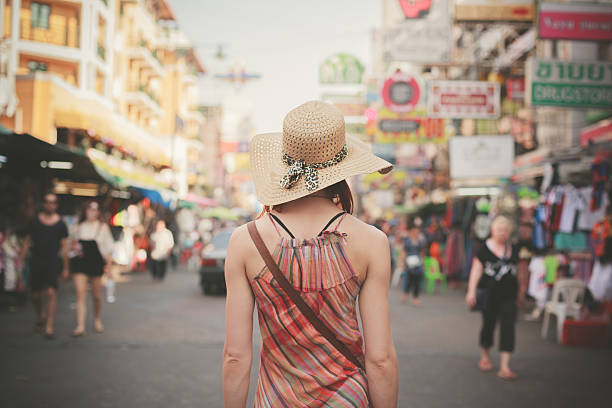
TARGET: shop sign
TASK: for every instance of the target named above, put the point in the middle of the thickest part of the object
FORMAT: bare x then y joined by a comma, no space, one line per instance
415,8
481,156
570,83
401,92
341,69
413,127
515,88
563,21
494,10
425,39
463,99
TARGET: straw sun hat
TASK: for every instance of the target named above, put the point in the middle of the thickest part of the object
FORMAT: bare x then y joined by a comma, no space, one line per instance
312,152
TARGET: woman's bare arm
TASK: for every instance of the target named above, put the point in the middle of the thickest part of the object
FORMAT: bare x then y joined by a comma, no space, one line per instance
381,359
475,274
237,352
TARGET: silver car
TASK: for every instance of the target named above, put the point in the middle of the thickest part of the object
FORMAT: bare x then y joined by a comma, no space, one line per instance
212,278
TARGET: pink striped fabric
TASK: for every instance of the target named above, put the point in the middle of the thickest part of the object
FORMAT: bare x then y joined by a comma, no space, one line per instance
299,367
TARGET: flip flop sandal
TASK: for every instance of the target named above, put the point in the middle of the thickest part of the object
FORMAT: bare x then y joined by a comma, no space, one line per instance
485,367
50,336
39,326
507,376
78,334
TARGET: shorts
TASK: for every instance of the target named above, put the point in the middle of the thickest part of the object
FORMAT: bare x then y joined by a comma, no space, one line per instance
44,273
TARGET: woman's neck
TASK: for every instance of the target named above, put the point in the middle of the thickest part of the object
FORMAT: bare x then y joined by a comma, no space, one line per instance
308,204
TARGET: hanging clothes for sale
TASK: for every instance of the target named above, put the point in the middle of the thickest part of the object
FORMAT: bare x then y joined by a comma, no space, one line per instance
600,172
570,242
601,281
588,217
454,253
540,235
581,266
573,202
538,288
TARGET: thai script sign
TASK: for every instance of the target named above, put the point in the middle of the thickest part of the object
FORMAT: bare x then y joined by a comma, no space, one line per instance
575,21
570,83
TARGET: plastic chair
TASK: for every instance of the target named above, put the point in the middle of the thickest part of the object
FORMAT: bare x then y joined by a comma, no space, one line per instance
433,274
567,298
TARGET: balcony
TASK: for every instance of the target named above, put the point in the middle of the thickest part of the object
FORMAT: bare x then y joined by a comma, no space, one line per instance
66,35
141,96
149,58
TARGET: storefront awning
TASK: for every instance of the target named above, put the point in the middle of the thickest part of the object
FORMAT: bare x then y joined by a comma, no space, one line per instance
26,155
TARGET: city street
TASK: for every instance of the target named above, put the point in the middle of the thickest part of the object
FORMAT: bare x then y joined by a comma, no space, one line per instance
162,348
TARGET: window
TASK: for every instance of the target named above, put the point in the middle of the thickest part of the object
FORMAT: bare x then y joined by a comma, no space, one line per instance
40,15
34,66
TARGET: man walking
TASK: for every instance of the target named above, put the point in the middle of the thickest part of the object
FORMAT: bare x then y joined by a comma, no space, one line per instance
162,242
46,237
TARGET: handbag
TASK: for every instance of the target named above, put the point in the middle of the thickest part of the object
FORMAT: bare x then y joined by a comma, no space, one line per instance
295,297
482,300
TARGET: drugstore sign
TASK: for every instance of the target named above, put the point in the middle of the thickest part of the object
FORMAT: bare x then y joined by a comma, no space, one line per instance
570,83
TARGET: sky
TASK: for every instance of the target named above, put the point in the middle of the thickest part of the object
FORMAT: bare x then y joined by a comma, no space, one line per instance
283,40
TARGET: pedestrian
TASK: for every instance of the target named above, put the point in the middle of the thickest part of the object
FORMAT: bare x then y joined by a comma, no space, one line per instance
46,236
162,243
93,243
413,253
312,351
493,289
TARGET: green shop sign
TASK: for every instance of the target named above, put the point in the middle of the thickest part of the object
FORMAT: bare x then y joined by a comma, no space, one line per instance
341,69
586,84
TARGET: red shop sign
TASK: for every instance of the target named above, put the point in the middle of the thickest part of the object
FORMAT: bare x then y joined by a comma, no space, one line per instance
401,92
562,21
515,88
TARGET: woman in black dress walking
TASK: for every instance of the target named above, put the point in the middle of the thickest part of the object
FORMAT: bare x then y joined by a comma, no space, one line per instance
94,244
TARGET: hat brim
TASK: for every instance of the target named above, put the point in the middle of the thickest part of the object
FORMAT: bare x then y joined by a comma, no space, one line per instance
267,168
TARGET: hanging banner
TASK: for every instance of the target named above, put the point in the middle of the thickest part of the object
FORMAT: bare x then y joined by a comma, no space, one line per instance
420,32
494,10
413,127
401,92
463,99
569,83
563,21
481,156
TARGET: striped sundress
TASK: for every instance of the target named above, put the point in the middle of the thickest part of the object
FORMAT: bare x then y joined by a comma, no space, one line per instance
299,367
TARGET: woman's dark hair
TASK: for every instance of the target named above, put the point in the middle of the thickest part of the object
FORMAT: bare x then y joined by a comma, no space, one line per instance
86,204
340,192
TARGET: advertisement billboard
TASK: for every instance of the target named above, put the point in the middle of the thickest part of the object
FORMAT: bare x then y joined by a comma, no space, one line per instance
463,99
569,83
563,21
341,69
481,156
417,31
494,10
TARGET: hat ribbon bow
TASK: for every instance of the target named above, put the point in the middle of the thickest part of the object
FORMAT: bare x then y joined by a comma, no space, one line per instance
299,168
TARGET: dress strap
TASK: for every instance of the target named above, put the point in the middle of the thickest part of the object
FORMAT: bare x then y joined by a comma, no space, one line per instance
275,218
334,218
340,222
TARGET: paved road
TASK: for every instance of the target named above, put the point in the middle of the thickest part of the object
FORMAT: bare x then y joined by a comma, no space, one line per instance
162,348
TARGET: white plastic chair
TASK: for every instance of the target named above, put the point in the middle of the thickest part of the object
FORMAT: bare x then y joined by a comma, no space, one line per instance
567,298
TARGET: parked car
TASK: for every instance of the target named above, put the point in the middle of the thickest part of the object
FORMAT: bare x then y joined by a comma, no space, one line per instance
212,278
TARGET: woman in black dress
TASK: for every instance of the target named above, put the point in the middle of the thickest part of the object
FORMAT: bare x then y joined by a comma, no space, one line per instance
493,285
93,243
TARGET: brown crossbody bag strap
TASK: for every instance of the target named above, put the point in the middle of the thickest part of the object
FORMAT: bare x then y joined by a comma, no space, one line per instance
297,299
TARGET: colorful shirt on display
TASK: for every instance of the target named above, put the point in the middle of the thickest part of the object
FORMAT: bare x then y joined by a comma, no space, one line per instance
589,217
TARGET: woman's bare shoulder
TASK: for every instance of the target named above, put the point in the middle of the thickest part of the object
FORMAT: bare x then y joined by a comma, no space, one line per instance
368,234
